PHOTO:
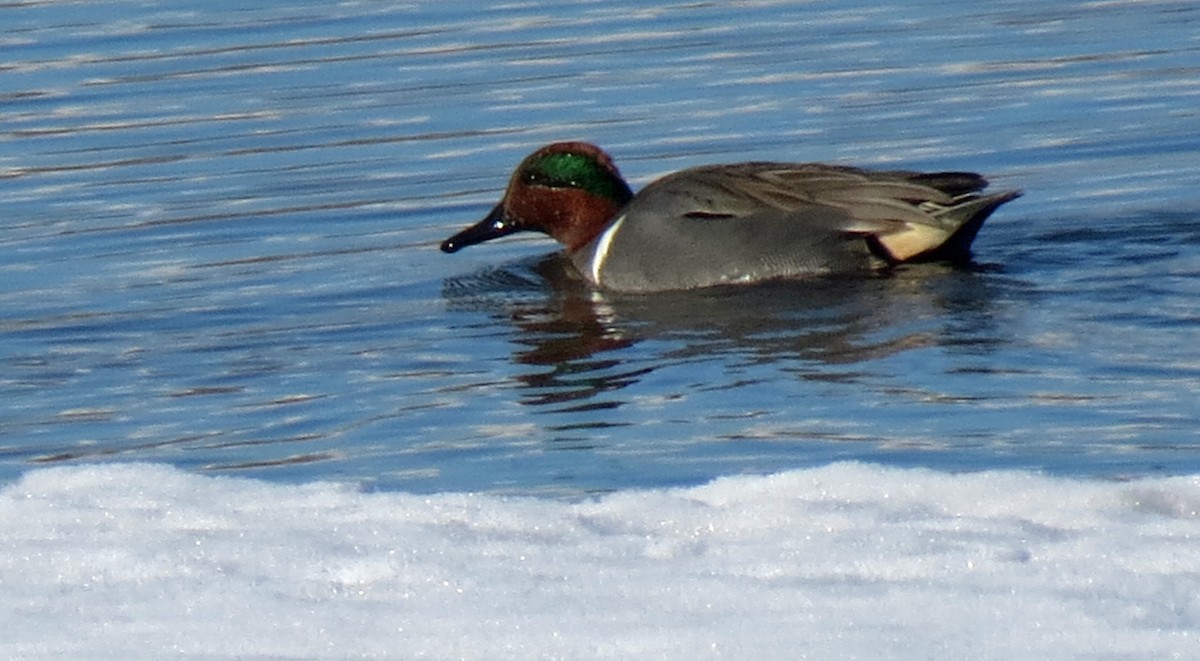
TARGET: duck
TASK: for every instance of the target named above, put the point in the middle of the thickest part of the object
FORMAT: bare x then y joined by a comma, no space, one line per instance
738,223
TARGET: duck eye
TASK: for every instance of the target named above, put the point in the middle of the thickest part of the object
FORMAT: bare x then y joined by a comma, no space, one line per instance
539,178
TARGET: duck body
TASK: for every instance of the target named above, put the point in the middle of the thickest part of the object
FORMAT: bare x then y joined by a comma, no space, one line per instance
738,223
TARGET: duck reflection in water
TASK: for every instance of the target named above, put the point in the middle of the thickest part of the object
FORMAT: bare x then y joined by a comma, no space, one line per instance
820,328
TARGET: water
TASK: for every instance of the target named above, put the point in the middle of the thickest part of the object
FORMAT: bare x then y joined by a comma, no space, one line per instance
219,230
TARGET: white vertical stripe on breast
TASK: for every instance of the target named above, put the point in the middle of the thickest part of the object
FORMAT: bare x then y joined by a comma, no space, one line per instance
602,247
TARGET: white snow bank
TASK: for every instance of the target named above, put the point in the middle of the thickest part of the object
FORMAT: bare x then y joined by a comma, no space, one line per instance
137,561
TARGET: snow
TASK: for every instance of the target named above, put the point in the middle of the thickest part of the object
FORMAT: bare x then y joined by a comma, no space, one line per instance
844,561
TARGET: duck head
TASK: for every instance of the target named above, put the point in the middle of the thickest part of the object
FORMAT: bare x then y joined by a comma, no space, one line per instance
569,190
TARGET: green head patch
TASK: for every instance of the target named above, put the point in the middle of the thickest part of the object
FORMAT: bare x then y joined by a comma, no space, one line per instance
566,169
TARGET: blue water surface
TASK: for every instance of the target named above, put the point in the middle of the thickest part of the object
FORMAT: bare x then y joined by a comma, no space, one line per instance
219,227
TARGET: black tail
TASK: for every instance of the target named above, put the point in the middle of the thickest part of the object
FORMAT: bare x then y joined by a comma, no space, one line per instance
968,216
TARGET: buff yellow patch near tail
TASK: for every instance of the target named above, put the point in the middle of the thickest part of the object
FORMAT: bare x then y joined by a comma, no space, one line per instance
911,241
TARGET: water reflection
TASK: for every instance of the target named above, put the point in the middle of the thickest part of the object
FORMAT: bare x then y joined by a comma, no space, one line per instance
820,329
